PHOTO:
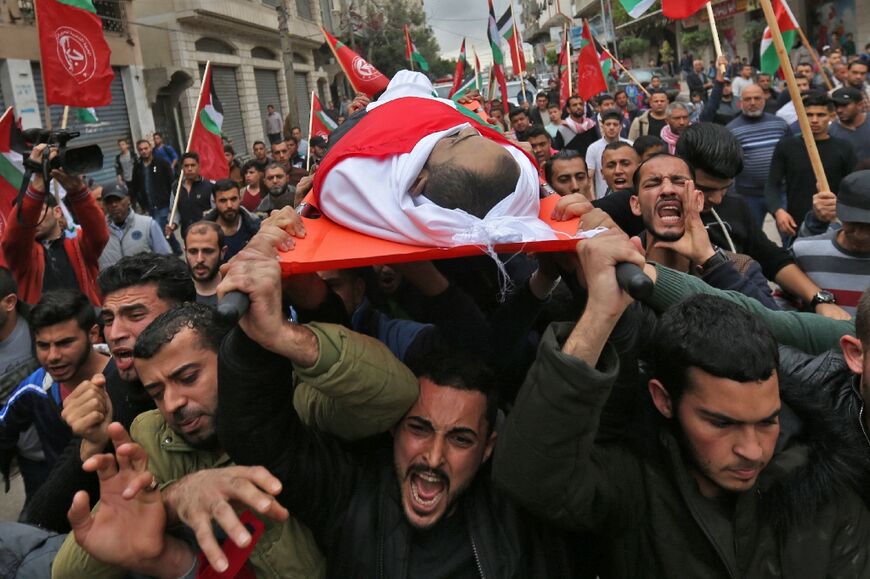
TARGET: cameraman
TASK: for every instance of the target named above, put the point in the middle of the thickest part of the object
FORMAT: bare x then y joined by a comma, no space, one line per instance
38,254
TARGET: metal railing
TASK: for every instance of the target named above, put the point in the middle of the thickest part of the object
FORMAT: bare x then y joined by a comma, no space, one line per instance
113,13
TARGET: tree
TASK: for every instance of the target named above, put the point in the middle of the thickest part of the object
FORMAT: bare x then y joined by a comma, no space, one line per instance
381,40
697,40
633,45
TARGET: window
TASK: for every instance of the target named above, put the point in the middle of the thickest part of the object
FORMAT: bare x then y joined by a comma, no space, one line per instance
214,45
264,53
303,9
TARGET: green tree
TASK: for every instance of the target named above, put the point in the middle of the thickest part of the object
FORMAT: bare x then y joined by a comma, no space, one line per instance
382,39
633,45
696,41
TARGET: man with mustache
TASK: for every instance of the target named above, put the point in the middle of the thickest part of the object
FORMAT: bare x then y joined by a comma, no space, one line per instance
423,508
237,223
204,248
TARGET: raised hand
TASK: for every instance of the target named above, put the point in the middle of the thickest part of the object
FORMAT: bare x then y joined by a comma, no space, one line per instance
88,412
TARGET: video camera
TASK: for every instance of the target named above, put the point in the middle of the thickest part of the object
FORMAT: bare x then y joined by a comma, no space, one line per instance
72,160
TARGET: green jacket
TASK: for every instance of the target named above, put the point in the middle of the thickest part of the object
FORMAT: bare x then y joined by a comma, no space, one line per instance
355,389
801,519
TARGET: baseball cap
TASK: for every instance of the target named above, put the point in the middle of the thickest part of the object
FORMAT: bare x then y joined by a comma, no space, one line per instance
853,199
846,95
113,191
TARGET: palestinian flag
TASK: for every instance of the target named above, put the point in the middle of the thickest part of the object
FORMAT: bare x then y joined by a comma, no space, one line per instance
205,138
413,55
459,73
507,29
788,27
363,77
74,54
11,165
494,37
321,123
87,116
636,8
607,64
470,84
590,79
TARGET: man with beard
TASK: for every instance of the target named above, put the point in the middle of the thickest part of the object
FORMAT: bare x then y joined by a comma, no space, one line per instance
758,133
670,206
204,248
851,123
236,222
765,81
129,232
701,469
137,289
39,255
353,388
280,192
577,131
652,121
520,123
676,122
65,329
567,174
424,509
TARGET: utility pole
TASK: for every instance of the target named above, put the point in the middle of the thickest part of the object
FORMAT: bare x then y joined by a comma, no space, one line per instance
287,58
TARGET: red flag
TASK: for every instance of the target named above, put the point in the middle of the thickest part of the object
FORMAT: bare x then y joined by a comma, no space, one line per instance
11,167
590,79
321,123
364,77
205,137
75,56
459,73
680,9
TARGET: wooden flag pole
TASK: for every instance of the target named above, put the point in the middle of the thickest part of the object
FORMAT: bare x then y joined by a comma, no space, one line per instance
518,44
716,43
785,64
477,72
206,74
310,125
630,76
570,72
63,122
815,58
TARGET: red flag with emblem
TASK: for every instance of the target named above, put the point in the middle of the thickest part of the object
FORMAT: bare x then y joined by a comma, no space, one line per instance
590,78
364,77
74,54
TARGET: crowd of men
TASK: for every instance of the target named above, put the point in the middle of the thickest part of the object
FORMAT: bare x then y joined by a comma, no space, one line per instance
429,419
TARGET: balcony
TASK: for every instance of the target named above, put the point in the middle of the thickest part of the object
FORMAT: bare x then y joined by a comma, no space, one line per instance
113,14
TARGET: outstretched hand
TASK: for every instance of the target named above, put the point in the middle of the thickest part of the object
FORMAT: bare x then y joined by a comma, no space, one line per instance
695,243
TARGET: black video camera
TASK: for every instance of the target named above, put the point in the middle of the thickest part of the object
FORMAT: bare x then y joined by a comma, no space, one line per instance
72,160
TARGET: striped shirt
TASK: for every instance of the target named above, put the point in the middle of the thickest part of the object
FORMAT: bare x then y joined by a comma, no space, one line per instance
844,274
758,137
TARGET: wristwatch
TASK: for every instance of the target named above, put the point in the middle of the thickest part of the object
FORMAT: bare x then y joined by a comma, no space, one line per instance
823,297
718,258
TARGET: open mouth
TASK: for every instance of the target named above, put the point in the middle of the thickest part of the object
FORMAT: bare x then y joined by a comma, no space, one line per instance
669,211
620,182
58,370
190,425
427,490
123,358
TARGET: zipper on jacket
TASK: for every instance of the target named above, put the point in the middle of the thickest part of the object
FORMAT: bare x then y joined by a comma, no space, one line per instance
861,423
476,557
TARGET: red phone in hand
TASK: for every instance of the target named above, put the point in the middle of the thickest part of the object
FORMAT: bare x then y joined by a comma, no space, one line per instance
236,556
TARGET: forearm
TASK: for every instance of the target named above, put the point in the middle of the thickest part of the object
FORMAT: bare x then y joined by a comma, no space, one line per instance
589,336
793,280
808,332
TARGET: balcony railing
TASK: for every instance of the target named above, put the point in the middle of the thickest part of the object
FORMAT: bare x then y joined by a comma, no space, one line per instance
113,13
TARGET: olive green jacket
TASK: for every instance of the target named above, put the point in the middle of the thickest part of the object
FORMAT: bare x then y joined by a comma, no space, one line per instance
356,388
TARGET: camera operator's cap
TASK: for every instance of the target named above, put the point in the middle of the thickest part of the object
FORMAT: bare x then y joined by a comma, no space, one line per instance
853,199
113,191
846,95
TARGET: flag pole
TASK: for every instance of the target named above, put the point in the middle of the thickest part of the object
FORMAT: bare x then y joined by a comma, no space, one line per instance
570,72
206,74
42,71
335,54
310,125
475,69
716,43
815,57
408,47
785,64
630,76
518,44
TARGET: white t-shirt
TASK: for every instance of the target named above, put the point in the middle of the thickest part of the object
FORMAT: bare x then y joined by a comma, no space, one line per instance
593,163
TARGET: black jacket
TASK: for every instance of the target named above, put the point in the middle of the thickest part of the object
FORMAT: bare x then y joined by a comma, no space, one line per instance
351,501
161,176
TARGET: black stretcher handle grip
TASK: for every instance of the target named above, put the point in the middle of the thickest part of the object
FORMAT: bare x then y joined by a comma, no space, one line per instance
634,281
233,306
